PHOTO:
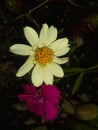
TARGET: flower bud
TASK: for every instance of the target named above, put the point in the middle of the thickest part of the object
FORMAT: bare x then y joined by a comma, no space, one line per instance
86,112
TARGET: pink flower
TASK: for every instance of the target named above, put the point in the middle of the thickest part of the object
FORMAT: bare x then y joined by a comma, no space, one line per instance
43,102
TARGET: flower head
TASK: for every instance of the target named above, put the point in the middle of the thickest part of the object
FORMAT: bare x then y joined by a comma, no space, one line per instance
43,103
43,54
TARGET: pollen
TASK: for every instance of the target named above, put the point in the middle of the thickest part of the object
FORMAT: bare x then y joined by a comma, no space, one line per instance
44,55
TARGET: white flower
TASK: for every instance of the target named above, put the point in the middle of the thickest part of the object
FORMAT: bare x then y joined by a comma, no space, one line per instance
43,54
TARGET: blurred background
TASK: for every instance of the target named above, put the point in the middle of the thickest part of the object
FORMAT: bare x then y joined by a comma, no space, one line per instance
75,19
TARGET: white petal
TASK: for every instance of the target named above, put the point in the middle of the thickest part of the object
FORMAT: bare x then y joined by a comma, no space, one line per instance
48,35
31,36
56,70
21,49
44,34
60,46
25,68
48,76
60,60
37,75
52,35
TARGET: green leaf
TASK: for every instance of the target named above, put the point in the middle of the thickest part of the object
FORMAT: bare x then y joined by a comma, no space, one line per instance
67,107
78,83
92,67
70,74
20,106
73,49
95,122
73,69
79,125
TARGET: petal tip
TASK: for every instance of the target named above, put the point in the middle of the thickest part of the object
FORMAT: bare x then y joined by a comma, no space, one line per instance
45,24
36,84
25,28
18,75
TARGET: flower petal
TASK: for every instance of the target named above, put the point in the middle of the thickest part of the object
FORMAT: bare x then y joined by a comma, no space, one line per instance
32,103
48,35
51,110
56,70
37,75
60,60
31,35
25,97
48,76
60,46
25,68
51,93
44,33
52,35
37,108
30,89
21,49
31,97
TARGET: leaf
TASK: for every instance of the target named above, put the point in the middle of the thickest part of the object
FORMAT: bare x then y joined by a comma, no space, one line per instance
30,121
95,122
40,128
20,106
78,83
67,107
92,67
78,125
73,69
73,49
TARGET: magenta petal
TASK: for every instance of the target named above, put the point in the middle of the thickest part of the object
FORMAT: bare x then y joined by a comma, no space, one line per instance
52,93
24,97
30,89
36,108
50,111
32,104
42,103
31,97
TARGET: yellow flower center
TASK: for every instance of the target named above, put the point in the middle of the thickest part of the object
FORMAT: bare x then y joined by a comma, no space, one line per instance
44,55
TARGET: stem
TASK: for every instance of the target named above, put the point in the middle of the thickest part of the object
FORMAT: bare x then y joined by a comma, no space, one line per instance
31,10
